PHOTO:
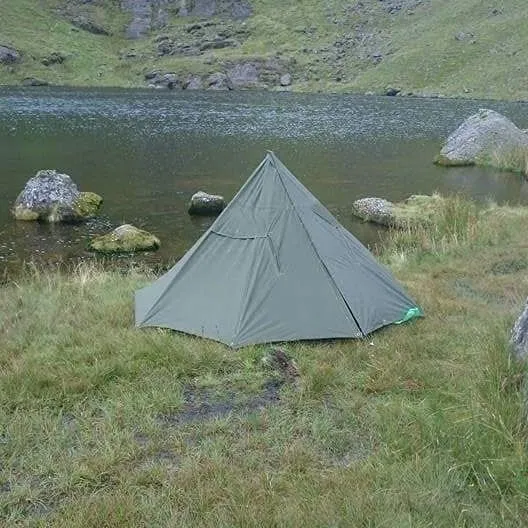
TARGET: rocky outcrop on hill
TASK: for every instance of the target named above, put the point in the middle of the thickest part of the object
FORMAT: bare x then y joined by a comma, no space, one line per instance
159,79
53,197
9,55
254,73
146,16
87,24
201,37
235,9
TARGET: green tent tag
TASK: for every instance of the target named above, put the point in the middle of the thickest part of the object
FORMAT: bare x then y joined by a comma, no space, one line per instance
412,313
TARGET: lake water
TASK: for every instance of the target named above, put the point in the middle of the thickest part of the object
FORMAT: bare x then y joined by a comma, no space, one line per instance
146,152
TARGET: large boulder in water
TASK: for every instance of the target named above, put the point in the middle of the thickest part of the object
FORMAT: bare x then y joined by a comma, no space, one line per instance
206,204
53,197
486,138
123,239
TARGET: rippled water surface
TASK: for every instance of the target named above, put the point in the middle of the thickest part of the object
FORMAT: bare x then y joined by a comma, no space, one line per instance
147,152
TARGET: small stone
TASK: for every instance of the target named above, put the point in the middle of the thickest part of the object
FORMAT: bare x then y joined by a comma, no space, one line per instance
285,79
53,58
391,92
206,204
373,209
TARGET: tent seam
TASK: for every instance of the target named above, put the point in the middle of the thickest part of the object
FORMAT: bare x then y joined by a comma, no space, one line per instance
314,248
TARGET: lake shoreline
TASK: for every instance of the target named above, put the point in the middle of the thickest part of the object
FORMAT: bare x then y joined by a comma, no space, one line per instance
342,92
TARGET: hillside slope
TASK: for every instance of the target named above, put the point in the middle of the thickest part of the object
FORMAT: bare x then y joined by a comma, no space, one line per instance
471,48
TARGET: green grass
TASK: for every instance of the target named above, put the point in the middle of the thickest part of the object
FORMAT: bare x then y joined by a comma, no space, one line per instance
418,425
420,52
515,160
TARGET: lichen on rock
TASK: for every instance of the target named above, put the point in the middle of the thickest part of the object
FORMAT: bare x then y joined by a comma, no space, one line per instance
124,239
50,196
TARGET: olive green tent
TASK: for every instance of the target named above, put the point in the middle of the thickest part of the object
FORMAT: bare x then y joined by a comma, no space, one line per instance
275,266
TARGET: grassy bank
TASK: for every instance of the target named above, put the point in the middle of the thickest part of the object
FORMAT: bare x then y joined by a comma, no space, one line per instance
419,425
467,49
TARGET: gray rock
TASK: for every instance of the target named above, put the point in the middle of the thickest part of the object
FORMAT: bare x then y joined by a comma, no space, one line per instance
32,81
193,82
87,24
244,75
285,80
125,238
461,36
53,58
218,43
374,209
53,197
9,55
481,138
146,15
377,57
417,209
235,9
159,79
519,335
391,92
219,81
206,204
241,10
152,75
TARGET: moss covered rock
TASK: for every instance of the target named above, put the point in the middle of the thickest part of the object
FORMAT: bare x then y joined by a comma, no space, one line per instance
123,239
417,209
87,204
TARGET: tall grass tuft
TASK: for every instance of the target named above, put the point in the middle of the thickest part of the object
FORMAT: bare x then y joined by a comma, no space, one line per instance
515,160
454,222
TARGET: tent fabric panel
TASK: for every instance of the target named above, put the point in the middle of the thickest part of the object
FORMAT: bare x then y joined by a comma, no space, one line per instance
207,304
303,303
373,296
370,291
